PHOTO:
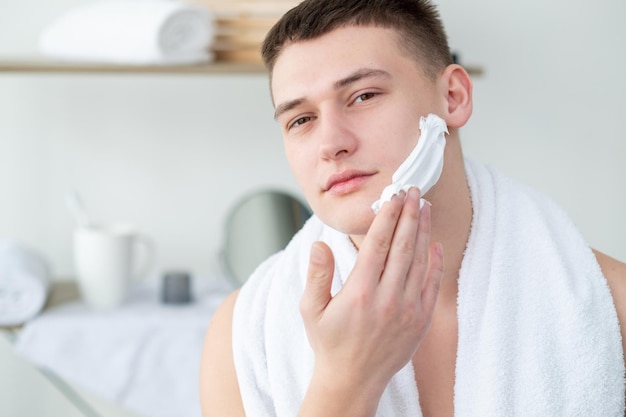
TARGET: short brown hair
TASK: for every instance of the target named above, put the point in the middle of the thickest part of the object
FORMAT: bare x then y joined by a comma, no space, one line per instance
417,22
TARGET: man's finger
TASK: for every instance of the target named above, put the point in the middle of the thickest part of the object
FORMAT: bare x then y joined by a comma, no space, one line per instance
420,264
377,243
403,247
319,281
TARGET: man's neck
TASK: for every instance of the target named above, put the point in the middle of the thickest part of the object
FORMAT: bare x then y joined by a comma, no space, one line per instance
451,215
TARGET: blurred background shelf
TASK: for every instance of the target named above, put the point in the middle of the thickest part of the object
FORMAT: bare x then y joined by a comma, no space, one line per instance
51,66
214,68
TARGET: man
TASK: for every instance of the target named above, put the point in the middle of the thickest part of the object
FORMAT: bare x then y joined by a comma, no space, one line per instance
507,312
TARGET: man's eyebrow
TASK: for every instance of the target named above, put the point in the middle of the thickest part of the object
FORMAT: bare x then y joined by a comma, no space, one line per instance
352,78
360,74
286,106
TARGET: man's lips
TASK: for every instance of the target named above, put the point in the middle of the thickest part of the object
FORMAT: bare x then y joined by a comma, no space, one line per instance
344,178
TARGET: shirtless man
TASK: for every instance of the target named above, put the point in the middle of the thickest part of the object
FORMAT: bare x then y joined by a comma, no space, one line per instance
349,83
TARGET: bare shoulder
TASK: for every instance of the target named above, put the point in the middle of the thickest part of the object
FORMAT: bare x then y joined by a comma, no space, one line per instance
615,273
219,389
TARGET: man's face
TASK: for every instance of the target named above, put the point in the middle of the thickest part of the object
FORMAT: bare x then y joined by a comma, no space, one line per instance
349,105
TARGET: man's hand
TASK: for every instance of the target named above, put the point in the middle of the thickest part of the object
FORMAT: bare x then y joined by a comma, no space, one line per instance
373,326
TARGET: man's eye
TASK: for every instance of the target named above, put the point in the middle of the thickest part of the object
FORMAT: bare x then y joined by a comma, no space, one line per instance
364,97
300,121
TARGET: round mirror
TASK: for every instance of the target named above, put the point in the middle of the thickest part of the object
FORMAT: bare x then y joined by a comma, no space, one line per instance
258,226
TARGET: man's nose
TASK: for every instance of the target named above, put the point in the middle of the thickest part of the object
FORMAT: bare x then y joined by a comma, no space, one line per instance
337,136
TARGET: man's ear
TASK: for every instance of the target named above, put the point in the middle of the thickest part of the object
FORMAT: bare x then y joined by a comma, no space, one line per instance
456,86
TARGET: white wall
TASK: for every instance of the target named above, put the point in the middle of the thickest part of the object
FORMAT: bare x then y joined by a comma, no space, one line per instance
550,108
172,153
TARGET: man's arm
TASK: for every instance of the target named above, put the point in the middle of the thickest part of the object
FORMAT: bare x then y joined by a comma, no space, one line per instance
219,389
615,273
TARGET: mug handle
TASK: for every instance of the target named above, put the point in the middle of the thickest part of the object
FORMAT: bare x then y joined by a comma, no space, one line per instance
147,246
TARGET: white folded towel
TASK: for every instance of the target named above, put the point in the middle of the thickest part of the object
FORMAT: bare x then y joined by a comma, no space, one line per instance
140,32
538,330
24,282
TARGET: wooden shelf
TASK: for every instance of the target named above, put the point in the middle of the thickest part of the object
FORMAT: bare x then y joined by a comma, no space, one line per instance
214,68
46,66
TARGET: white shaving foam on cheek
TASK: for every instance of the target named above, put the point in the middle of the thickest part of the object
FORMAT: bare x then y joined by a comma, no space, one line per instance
423,167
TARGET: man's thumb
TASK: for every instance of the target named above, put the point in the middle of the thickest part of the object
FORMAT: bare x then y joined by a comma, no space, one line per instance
319,280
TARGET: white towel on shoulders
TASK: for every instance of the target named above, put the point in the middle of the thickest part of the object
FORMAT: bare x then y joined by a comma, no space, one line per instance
24,283
538,331
132,32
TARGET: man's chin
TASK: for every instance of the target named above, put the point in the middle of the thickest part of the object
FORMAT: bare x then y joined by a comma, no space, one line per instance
354,224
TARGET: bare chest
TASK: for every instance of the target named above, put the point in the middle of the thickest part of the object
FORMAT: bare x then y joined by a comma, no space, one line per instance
434,364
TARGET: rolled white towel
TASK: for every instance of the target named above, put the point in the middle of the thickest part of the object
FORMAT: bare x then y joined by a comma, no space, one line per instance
133,32
24,283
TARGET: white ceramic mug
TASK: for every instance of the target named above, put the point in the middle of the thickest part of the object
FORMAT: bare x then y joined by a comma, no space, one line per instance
107,257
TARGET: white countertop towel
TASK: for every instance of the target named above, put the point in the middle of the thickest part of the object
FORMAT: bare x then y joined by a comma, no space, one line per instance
538,330
24,283
141,32
143,355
